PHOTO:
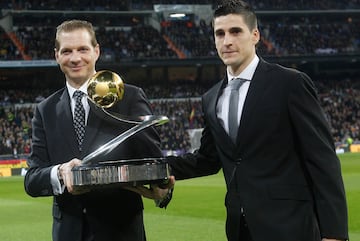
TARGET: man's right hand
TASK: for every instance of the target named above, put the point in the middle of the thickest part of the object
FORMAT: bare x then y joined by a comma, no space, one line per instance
66,175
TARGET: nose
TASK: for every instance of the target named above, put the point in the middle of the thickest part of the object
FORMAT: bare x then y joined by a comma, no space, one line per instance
75,56
227,39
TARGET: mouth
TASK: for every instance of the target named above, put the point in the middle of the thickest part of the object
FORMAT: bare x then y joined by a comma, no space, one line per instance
228,53
76,68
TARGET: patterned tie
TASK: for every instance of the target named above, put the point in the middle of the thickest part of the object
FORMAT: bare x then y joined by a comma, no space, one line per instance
233,107
79,117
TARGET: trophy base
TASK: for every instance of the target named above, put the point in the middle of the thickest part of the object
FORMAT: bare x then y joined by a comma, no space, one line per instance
132,172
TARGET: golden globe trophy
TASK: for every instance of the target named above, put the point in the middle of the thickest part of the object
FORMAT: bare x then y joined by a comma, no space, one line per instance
105,89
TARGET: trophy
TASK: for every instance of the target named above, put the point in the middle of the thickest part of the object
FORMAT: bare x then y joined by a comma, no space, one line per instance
105,89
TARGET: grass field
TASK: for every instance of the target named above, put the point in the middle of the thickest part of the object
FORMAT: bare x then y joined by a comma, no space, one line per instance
196,212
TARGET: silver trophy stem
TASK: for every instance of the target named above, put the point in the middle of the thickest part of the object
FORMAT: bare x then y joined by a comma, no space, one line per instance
108,115
109,146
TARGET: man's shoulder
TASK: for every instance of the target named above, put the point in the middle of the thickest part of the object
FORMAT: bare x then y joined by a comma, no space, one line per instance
131,87
277,68
213,90
132,92
52,99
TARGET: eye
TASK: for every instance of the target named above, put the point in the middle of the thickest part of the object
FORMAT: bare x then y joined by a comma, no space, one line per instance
235,31
83,50
65,51
219,33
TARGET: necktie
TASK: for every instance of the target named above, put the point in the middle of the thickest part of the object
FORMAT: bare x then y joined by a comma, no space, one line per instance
233,107
79,117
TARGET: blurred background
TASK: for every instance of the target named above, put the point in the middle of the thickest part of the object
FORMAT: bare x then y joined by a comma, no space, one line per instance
166,48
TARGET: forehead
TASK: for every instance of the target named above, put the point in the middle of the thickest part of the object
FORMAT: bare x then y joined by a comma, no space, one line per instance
78,37
229,21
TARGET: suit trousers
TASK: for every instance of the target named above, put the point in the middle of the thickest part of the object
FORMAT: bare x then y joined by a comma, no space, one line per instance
128,230
87,234
244,230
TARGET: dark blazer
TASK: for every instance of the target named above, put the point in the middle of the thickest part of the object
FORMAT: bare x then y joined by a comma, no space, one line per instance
112,213
283,170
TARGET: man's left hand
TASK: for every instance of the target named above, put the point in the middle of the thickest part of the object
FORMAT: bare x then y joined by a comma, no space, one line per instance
155,191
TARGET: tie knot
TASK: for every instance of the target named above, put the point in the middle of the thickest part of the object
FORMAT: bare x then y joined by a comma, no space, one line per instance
236,83
78,95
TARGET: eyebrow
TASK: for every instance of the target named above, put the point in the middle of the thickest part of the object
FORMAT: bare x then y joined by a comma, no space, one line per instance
231,30
236,29
219,31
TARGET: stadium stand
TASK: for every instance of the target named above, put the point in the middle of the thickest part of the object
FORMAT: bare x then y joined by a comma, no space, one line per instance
174,60
340,99
287,29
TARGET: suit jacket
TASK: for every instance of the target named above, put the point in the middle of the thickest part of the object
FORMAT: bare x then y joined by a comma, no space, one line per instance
282,170
112,213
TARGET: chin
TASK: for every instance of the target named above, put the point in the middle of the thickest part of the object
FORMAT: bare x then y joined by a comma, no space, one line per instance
231,62
226,61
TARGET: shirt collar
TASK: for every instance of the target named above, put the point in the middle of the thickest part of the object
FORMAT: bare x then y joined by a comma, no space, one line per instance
71,89
248,72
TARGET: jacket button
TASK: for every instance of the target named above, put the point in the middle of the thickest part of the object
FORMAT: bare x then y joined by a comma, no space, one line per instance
84,210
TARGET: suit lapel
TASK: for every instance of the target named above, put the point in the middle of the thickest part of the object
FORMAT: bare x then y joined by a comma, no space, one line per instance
219,129
65,121
91,131
256,88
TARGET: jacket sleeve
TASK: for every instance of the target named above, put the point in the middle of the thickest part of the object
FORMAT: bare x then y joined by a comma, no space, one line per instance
203,162
320,160
37,179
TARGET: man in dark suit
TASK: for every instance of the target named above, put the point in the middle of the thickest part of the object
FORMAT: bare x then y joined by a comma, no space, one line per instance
106,214
282,174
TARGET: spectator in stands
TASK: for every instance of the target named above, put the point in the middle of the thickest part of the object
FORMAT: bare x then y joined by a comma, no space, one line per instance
282,174
98,215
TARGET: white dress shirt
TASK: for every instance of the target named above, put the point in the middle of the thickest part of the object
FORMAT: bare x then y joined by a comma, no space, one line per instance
222,107
71,91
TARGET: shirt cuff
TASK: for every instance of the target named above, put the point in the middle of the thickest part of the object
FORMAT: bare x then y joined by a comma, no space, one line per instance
55,182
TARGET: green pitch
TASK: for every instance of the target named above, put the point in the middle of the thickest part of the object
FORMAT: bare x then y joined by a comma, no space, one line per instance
196,212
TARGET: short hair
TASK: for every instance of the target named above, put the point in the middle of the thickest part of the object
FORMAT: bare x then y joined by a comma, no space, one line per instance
75,24
239,7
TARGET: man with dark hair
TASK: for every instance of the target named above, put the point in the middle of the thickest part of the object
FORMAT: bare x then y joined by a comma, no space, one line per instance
265,128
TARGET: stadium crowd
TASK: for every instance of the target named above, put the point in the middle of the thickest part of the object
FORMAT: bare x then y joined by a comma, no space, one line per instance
124,5
123,37
339,97
299,36
126,37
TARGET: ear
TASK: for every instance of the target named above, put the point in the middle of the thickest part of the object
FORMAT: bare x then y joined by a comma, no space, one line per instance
97,51
56,54
256,35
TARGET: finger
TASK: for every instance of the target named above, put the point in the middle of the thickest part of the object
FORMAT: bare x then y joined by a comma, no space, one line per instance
66,173
169,184
159,193
146,192
141,191
154,192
